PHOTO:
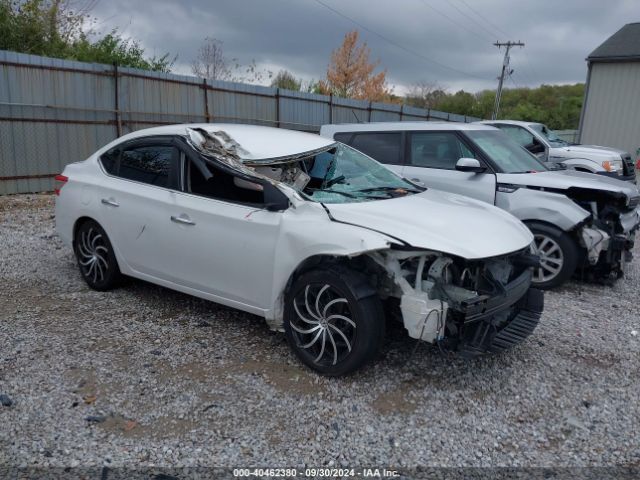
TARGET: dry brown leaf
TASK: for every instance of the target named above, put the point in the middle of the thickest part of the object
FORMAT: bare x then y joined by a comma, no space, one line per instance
89,399
130,425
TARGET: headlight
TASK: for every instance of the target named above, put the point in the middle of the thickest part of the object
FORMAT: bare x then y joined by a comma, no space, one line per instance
507,188
612,166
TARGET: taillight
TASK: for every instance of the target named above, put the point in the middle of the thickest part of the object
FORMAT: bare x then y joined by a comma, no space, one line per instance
60,181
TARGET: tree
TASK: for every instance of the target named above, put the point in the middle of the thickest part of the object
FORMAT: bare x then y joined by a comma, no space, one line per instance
285,79
425,94
211,62
53,28
350,74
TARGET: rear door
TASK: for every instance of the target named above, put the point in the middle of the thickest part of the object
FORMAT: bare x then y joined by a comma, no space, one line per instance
431,158
385,147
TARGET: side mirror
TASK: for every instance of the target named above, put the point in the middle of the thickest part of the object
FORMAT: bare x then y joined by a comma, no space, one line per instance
469,165
535,147
274,199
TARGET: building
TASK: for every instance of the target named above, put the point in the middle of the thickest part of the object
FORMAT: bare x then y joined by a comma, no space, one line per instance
611,111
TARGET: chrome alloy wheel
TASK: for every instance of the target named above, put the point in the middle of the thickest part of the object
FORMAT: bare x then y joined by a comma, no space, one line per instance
551,258
323,324
92,255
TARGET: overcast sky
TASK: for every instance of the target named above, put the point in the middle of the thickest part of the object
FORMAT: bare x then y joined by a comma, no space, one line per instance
445,41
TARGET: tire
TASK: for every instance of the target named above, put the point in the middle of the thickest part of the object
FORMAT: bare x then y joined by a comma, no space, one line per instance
333,320
558,255
95,256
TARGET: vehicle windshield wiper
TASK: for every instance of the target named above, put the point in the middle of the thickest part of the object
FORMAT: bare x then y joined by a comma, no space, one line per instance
388,189
329,190
346,194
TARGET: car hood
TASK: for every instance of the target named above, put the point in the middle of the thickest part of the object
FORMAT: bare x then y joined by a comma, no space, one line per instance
440,221
588,151
565,179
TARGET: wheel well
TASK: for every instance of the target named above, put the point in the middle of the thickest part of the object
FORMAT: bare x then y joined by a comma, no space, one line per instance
358,264
79,222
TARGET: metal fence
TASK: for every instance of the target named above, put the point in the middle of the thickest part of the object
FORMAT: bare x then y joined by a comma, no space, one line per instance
54,112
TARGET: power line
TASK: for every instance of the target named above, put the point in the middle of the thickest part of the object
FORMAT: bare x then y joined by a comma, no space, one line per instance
395,44
497,29
470,18
453,21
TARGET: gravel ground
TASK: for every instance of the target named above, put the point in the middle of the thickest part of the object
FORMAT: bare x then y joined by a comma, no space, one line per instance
146,376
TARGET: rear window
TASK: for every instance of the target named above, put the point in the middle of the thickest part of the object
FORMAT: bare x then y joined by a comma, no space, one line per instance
384,147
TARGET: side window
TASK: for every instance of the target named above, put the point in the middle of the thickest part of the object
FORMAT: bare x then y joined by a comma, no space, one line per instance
155,165
519,134
383,147
109,161
343,137
218,184
437,150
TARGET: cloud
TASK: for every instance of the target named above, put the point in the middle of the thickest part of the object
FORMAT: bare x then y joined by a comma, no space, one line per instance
412,38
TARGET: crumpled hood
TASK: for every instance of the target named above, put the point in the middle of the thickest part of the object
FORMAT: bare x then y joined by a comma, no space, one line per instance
594,152
440,221
565,179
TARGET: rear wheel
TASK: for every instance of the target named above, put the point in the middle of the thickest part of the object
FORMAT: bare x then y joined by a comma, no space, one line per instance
558,256
96,259
330,324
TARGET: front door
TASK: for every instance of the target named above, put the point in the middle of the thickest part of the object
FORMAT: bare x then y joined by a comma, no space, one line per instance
223,239
431,159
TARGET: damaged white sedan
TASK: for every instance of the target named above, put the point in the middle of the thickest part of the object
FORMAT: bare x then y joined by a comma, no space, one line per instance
319,239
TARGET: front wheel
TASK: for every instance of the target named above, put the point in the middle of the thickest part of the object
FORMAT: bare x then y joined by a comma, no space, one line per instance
333,321
558,256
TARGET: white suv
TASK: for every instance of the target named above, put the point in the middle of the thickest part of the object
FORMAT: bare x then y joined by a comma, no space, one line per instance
581,222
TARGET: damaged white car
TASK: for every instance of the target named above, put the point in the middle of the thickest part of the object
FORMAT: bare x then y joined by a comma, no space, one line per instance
317,238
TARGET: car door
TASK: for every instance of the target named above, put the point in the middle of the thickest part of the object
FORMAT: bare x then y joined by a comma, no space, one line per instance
223,239
141,188
431,158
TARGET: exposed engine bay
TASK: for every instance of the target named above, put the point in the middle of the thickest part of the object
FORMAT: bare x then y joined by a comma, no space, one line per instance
470,307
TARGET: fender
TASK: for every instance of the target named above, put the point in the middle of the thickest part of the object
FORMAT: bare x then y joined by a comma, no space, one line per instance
550,207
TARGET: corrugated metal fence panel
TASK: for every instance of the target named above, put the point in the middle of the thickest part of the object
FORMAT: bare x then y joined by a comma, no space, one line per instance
54,112
239,103
161,99
612,111
304,111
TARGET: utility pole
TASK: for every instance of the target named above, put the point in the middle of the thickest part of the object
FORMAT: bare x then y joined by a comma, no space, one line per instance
505,71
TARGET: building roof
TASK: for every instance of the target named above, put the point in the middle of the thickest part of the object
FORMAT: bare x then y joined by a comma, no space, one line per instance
624,45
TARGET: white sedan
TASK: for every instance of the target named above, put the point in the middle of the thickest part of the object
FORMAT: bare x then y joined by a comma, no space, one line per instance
314,236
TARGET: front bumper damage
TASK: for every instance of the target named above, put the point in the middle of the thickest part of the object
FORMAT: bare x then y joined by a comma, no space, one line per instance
608,246
486,307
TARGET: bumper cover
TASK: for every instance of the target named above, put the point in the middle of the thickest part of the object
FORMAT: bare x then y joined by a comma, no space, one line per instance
485,336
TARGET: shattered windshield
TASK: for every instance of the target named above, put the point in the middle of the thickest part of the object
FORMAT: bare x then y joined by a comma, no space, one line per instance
505,152
550,136
339,174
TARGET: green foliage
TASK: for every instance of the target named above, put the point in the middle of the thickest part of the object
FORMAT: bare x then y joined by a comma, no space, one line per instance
52,29
557,106
285,79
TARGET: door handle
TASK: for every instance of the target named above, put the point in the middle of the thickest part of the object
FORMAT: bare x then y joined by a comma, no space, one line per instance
110,201
185,220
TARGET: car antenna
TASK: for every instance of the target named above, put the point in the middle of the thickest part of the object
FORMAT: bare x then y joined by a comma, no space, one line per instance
354,114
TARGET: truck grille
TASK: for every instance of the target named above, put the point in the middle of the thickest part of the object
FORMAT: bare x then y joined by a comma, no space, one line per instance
628,166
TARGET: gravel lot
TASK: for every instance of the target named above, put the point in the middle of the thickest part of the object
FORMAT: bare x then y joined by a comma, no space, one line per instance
146,376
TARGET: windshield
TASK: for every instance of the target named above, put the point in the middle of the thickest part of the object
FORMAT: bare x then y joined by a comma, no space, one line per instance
508,155
550,136
343,175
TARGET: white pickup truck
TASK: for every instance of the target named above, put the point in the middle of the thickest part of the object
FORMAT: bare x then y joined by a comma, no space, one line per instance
549,147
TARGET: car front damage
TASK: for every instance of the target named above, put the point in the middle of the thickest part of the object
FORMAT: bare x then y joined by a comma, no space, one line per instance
608,233
467,306
459,302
